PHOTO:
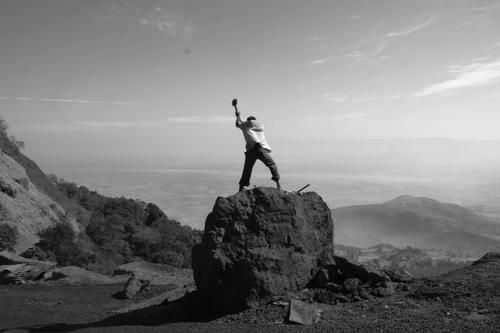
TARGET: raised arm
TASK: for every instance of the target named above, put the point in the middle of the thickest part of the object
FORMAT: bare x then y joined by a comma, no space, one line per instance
237,113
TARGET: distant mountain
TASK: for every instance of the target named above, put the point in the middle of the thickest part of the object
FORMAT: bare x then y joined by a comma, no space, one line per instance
418,222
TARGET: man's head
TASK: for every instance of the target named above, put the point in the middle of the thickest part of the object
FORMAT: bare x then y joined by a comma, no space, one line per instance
251,118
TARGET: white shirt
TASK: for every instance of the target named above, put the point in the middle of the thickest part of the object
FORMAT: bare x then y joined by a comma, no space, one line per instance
253,131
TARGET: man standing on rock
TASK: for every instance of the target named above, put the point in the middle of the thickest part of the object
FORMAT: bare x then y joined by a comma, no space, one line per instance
256,148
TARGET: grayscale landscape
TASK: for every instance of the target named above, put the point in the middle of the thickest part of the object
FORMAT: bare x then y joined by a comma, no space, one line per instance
123,200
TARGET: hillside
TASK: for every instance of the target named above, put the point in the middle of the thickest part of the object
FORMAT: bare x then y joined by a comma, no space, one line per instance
73,225
418,222
25,207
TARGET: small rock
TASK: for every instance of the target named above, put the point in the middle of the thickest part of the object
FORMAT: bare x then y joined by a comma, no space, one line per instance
303,313
399,275
385,289
342,299
134,286
325,296
333,287
364,294
351,284
320,279
476,316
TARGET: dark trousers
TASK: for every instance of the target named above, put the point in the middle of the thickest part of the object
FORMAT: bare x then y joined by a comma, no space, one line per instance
258,153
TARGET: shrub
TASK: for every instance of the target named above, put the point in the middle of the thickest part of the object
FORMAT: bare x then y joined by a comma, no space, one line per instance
169,257
8,237
61,245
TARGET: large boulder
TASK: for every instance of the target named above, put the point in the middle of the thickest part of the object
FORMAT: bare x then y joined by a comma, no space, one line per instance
259,243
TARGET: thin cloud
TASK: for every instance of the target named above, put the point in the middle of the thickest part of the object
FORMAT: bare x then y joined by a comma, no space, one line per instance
311,39
320,61
371,56
114,124
65,100
348,116
91,125
148,17
199,119
369,50
335,97
486,8
410,30
466,76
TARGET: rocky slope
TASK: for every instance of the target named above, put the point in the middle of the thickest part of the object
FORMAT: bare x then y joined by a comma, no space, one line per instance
24,206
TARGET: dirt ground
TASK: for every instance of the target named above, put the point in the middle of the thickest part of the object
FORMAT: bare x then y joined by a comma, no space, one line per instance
467,300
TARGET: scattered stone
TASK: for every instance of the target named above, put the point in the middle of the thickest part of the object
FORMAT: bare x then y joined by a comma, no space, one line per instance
363,293
324,296
342,299
134,286
159,274
259,243
400,275
333,287
385,289
22,273
73,275
366,274
303,313
351,284
320,279
19,270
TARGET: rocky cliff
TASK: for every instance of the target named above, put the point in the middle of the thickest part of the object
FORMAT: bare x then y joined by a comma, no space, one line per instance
24,205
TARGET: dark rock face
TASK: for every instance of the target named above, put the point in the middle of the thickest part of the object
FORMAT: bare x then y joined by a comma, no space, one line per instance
489,257
259,243
7,189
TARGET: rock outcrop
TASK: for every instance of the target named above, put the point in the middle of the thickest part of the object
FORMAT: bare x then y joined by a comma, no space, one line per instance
24,206
488,258
259,243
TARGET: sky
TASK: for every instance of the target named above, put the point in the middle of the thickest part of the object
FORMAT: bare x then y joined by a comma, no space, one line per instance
153,80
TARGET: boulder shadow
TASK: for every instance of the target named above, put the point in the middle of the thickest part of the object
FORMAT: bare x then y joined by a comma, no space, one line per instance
189,308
